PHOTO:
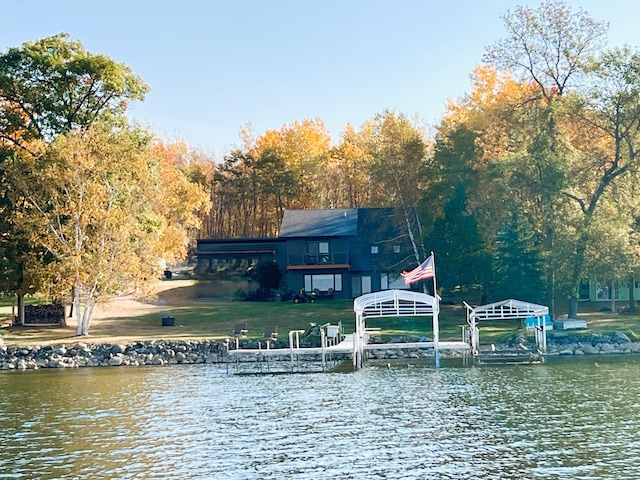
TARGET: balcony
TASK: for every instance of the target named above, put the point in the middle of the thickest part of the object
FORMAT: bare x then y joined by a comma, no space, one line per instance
318,260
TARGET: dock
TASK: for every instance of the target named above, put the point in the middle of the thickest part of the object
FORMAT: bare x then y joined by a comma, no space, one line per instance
294,359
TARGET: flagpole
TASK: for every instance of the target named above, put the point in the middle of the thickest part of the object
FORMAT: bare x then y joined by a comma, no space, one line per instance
436,323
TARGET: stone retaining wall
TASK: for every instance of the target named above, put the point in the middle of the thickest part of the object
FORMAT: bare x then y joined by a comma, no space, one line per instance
594,344
192,352
107,355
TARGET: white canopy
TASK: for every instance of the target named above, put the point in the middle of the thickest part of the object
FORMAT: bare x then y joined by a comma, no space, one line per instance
507,309
389,303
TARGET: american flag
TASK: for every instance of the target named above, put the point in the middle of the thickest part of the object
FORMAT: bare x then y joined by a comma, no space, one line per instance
422,271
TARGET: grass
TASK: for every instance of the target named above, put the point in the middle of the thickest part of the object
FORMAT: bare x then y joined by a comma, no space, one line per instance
217,318
199,315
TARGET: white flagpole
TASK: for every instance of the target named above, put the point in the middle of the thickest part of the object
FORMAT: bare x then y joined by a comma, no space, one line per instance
436,323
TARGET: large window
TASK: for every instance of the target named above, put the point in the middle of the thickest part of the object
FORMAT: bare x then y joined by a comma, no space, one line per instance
323,282
360,285
318,252
604,292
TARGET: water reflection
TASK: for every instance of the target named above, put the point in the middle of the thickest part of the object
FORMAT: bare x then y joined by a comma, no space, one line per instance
561,420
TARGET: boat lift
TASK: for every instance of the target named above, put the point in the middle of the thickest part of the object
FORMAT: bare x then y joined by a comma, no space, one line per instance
536,318
387,303
397,303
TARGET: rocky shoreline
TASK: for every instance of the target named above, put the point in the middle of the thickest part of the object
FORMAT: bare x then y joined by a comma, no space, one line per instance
157,353
81,354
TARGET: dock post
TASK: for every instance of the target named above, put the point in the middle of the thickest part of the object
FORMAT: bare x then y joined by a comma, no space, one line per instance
436,339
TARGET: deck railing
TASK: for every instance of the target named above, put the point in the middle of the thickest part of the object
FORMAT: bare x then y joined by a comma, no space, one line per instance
330,258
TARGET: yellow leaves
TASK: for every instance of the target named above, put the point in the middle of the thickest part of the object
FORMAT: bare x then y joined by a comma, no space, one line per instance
178,201
108,206
346,176
493,111
301,144
493,92
303,147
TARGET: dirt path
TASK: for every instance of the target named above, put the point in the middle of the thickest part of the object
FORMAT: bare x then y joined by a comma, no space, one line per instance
115,320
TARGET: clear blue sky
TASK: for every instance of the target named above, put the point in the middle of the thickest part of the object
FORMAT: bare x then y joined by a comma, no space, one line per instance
215,65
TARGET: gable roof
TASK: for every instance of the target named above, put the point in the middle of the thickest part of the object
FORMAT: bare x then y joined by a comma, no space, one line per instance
334,222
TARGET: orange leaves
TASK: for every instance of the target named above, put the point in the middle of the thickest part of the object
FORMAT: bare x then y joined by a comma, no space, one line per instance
492,111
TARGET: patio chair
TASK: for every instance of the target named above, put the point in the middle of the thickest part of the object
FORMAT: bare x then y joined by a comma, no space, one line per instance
240,330
270,333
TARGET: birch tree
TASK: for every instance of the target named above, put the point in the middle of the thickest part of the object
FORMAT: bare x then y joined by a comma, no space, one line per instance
47,88
399,153
92,200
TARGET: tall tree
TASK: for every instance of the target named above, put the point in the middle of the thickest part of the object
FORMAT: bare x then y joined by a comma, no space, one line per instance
480,149
47,88
606,139
455,238
185,175
517,266
347,177
549,47
52,86
399,154
303,148
92,200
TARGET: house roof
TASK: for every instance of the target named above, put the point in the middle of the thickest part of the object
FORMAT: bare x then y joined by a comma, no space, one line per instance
334,222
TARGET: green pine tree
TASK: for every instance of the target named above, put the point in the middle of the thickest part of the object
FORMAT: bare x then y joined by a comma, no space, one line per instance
518,266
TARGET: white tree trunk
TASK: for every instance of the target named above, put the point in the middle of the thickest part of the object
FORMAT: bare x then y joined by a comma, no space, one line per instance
76,309
84,313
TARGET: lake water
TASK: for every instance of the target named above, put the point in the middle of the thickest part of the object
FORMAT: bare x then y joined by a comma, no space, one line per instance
567,419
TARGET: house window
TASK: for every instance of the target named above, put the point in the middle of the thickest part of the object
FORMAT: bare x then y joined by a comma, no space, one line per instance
318,247
360,285
374,249
318,252
604,292
396,249
323,282
384,281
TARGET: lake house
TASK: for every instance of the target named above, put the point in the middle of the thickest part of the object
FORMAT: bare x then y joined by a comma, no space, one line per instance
334,253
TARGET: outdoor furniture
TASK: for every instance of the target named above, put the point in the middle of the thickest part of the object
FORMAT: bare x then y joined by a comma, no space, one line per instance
270,335
323,295
240,330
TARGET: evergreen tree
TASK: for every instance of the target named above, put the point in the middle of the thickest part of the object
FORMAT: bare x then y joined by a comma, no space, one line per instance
456,242
518,267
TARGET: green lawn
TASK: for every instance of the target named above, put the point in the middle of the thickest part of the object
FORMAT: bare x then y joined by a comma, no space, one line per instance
199,316
217,319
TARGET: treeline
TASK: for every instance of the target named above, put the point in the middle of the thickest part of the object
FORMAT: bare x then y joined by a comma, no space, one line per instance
525,188
90,204
297,167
